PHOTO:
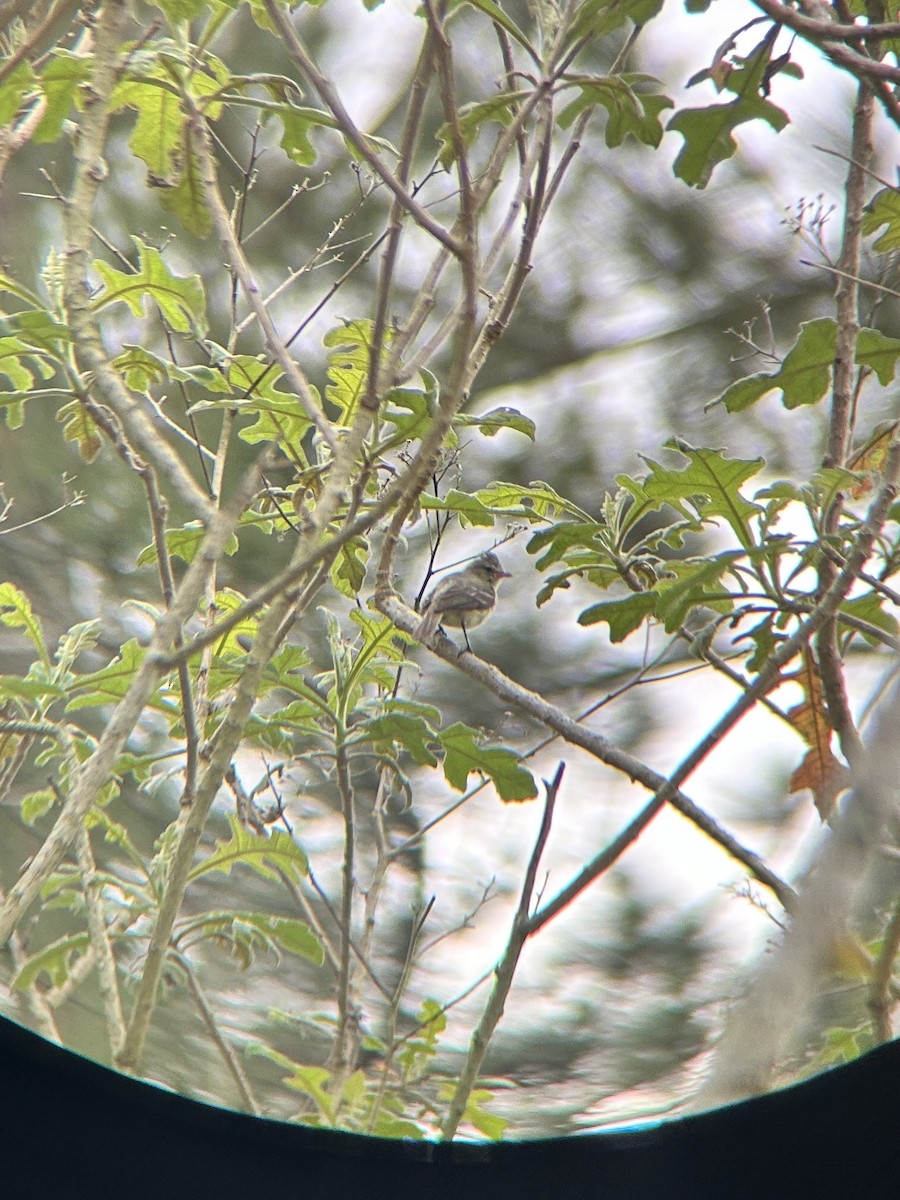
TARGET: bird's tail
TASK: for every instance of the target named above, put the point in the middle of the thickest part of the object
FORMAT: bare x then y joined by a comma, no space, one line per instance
425,629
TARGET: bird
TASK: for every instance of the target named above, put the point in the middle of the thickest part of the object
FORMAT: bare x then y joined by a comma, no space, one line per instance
464,599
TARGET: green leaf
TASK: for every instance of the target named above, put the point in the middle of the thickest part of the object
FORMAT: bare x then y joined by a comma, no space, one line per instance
468,508
710,483
841,1045
804,375
745,392
348,571
411,732
28,689
534,501
629,112
348,366
159,133
464,754
181,10
707,134
186,198
265,855
764,642
286,668
311,1081
13,407
19,361
490,423
297,122
13,90
228,600
596,18
490,1125
34,805
183,543
561,537
82,636
806,371
143,369
693,583
623,616
55,959
249,385
36,328
409,410
869,607
79,427
379,634
386,1125
181,300
16,613
874,349
472,117
110,684
496,13
884,209
248,931
61,82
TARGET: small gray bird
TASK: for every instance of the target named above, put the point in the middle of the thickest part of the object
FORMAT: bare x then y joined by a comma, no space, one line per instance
464,599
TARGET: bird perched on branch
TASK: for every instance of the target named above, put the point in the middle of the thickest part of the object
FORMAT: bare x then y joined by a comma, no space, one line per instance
464,599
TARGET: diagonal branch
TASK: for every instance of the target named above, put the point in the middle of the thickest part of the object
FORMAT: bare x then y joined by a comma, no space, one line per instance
504,971
357,139
237,260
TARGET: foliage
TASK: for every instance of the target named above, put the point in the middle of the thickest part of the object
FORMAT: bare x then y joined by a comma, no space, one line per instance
243,414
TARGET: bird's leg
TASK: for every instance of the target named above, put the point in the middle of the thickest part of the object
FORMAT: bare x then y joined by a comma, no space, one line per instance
466,636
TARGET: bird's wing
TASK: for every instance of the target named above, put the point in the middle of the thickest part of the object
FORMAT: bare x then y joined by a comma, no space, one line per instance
473,594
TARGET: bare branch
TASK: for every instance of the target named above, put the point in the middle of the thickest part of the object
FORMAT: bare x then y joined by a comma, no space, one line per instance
241,267
504,971
360,143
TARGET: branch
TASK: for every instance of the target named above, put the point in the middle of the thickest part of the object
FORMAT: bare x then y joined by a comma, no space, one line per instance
192,823
348,887
231,1060
100,941
409,139
237,261
878,74
594,743
817,28
504,971
30,46
845,391
158,508
882,976
862,153
90,170
358,140
93,774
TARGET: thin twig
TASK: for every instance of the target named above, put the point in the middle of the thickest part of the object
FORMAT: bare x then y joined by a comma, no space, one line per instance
238,262
100,941
343,1054
361,144
504,971
231,1060
845,387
